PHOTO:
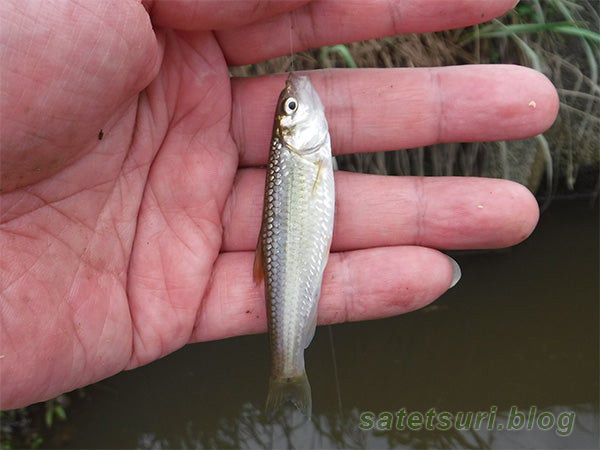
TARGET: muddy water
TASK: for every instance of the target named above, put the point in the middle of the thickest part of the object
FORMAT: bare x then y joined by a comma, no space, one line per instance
519,330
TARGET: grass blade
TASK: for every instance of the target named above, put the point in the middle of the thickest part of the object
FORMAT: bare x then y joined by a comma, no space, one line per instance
342,50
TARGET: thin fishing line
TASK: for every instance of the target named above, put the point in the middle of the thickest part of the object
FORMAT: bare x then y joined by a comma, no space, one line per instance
291,40
335,372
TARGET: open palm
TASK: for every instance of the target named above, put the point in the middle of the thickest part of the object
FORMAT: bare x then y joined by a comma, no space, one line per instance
120,246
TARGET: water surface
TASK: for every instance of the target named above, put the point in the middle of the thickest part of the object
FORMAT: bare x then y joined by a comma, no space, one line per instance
520,329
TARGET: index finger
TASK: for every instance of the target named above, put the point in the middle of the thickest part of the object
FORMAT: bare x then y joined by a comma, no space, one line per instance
371,110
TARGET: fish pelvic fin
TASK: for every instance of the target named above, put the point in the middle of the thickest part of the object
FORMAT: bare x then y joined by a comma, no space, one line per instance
258,272
295,390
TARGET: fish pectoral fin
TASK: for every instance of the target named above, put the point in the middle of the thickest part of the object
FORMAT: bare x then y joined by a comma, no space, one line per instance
319,165
258,272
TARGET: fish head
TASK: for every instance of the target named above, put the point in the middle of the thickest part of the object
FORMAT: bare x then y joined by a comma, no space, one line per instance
300,119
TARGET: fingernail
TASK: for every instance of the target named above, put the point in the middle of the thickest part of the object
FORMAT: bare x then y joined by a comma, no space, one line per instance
456,273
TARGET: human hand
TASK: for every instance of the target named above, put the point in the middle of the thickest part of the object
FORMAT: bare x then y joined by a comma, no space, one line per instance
120,250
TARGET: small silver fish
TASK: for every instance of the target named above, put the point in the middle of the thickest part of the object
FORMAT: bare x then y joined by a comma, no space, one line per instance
295,236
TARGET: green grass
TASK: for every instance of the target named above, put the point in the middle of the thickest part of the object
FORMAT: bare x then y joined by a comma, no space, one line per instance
498,29
342,50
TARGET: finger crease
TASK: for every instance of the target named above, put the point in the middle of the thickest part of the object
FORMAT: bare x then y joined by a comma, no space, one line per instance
395,16
438,94
420,209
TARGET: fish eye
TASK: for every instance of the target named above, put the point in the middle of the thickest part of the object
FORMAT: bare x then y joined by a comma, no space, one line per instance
290,105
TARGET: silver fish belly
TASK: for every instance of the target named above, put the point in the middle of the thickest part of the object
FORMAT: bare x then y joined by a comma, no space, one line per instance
295,236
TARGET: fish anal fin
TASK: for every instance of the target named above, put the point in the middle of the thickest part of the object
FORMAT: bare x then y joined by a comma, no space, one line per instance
311,322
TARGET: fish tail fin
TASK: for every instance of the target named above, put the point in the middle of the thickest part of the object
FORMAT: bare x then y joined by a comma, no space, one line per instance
295,390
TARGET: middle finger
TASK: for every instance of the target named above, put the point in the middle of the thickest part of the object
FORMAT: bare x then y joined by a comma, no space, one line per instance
379,211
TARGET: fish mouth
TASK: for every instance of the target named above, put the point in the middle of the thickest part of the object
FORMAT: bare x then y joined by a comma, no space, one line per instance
295,79
297,84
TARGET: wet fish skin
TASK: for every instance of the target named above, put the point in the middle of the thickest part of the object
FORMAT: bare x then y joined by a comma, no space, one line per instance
295,236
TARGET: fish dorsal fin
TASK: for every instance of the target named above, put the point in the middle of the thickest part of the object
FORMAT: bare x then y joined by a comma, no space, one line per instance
258,272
